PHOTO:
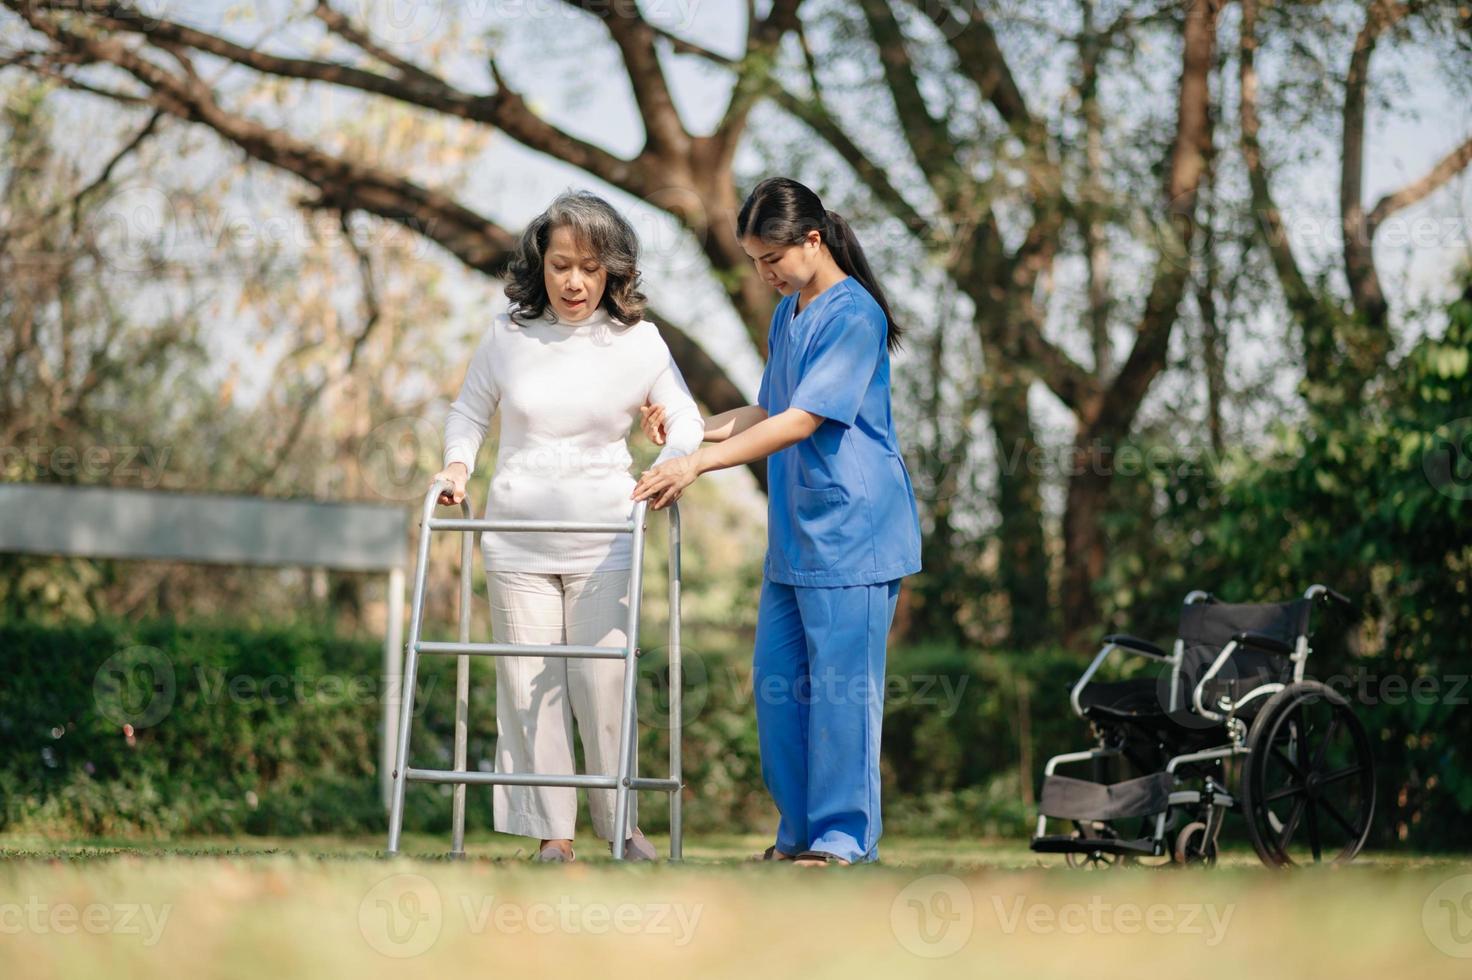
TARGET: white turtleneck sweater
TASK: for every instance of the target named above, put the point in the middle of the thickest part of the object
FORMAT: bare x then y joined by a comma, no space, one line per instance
568,394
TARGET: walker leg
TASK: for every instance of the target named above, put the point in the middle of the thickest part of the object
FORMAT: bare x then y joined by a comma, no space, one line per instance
411,671
625,757
401,756
676,675
627,733
462,695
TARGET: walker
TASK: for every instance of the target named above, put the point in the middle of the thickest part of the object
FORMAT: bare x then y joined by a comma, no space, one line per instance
624,782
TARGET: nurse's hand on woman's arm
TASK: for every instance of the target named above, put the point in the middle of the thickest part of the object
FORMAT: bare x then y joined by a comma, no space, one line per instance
456,475
667,481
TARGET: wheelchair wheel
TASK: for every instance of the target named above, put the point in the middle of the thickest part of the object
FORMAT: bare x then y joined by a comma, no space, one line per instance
1195,846
1308,786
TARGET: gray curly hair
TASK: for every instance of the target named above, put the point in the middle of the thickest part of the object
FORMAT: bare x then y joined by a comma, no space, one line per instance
594,222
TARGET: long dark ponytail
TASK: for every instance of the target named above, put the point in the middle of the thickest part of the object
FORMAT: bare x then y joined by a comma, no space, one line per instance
782,211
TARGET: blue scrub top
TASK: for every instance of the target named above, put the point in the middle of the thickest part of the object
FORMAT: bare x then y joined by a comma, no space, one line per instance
840,507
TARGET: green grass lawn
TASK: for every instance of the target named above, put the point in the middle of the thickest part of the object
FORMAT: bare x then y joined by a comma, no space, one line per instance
322,907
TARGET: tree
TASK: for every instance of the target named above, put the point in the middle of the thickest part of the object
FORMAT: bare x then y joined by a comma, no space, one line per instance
1009,170
688,175
1013,189
1079,227
1344,343
109,347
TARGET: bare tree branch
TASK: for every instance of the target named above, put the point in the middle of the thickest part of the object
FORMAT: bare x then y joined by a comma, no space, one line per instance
1065,377
1359,259
812,112
753,76
979,57
101,179
477,241
106,173
929,142
338,23
1303,303
1192,148
685,46
504,109
665,133
45,65
1446,168
373,312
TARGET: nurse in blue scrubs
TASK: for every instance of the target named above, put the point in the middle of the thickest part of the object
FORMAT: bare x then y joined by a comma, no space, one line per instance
842,523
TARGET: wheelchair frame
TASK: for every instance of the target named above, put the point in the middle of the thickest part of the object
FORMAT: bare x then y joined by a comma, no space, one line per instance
1213,796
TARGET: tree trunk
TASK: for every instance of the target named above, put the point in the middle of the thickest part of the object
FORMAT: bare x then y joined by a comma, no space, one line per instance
1022,567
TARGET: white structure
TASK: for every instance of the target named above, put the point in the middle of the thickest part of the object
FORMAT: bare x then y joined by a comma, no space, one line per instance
107,522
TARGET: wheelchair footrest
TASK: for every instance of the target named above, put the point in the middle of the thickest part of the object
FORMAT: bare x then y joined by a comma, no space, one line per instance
1066,844
1066,798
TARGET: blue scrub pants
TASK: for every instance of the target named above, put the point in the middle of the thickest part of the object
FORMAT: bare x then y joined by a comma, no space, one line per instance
818,682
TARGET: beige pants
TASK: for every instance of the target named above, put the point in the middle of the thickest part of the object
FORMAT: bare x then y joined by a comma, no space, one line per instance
537,698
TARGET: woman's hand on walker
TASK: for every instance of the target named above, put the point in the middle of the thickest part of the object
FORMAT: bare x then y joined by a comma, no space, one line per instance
455,475
667,481
651,420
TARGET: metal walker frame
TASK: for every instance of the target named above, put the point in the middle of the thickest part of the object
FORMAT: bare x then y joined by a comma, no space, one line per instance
624,782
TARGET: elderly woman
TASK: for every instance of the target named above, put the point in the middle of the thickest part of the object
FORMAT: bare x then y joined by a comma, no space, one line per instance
568,368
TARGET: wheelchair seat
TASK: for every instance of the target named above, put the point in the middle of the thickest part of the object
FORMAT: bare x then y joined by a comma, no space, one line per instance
1131,698
1140,700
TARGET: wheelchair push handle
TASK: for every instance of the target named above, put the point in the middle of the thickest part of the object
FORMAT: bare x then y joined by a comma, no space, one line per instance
1315,591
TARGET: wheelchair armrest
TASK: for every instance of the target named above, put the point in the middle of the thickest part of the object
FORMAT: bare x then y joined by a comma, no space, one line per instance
1112,642
1262,641
1136,644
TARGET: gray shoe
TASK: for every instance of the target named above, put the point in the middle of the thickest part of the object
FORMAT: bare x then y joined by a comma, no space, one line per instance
555,855
637,848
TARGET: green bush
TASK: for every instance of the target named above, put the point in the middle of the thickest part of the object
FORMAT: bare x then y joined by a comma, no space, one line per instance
262,732
276,732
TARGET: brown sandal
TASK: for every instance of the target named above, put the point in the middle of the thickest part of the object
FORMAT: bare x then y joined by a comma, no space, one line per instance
770,854
817,859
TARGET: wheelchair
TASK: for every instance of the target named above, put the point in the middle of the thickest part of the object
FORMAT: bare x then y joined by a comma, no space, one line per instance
1225,720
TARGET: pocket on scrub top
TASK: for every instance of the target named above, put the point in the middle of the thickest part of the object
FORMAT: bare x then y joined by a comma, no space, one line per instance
819,526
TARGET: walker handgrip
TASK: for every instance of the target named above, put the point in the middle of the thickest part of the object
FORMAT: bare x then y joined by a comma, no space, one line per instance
432,499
